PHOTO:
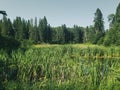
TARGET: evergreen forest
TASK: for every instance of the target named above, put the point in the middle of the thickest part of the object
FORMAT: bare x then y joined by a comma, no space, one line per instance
39,31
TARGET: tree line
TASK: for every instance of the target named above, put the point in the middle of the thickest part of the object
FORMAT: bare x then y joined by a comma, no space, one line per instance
39,31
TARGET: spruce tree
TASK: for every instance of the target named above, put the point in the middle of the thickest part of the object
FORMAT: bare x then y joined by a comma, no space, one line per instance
98,26
113,35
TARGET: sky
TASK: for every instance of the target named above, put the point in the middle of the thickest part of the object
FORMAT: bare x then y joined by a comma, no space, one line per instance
58,12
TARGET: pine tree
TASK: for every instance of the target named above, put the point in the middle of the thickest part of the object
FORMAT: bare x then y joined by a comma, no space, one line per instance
111,19
31,30
78,34
11,32
43,30
116,19
4,27
49,34
36,33
113,35
59,35
17,24
99,26
89,35
66,33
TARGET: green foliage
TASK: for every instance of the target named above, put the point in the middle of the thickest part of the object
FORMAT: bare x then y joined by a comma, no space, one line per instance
89,35
98,21
111,19
117,15
41,32
4,26
113,35
8,44
62,68
78,34
98,26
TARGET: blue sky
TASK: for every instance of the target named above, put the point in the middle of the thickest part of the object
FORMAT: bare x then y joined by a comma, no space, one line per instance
69,12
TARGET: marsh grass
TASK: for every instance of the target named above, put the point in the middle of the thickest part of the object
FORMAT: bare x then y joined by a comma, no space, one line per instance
63,67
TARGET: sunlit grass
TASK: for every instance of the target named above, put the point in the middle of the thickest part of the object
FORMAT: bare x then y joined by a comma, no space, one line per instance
45,45
74,45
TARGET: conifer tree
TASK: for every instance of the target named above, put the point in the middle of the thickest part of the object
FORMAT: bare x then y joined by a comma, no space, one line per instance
98,25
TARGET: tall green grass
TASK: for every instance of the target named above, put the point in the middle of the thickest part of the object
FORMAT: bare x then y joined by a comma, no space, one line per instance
61,68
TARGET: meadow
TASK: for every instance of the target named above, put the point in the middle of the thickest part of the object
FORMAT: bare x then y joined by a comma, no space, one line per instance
61,67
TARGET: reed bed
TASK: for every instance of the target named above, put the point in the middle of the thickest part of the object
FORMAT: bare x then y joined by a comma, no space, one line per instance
63,67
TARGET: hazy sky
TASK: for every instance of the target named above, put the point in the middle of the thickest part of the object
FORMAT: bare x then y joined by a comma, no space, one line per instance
69,12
